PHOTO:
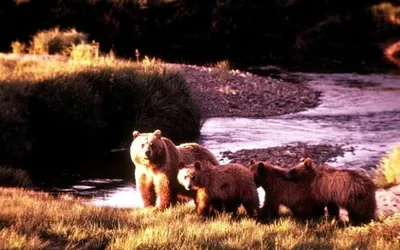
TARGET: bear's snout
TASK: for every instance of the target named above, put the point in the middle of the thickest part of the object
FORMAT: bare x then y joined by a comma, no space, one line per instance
148,153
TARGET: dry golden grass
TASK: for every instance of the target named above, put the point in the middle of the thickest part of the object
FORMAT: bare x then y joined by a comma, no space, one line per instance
18,47
34,220
221,71
388,171
387,11
55,41
34,68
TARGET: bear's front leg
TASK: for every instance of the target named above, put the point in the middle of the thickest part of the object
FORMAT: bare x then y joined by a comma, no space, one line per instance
203,203
270,209
164,191
145,186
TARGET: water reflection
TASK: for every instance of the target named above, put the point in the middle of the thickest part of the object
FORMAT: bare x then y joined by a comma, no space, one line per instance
122,197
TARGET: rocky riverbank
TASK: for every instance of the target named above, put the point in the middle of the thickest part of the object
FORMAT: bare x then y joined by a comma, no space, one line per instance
229,93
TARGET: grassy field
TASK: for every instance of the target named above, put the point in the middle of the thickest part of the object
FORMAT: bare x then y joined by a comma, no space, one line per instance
50,107
34,220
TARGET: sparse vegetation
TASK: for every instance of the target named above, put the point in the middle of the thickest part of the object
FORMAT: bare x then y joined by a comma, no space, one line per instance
55,41
52,108
388,171
18,47
33,220
84,51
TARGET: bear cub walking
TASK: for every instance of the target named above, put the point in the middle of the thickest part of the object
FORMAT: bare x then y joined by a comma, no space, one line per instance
280,191
230,185
349,189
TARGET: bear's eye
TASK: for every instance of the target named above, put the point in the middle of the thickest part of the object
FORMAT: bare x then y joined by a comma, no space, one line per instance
142,145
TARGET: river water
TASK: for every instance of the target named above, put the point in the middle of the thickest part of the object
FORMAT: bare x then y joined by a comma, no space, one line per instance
358,111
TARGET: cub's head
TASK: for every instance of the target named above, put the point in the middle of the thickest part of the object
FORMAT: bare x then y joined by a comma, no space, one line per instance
303,170
259,170
147,147
185,175
191,176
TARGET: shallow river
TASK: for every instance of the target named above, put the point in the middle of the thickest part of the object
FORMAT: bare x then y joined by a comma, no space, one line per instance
358,111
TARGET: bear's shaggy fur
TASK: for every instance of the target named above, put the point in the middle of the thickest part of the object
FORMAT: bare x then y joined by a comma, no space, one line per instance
349,189
280,191
224,187
156,160
192,152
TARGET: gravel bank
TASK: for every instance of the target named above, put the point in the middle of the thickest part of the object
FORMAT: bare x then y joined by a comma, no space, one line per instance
229,93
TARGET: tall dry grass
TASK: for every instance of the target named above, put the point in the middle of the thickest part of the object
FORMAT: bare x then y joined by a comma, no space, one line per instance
33,220
55,41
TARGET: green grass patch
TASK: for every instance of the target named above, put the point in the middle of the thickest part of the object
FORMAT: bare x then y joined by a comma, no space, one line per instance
34,220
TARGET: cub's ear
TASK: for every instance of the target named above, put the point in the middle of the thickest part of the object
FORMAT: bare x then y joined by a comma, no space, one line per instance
197,165
252,161
181,165
135,134
291,174
308,162
302,159
157,133
261,168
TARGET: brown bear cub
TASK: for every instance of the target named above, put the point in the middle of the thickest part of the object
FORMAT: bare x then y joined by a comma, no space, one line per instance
156,160
280,191
185,171
349,189
227,186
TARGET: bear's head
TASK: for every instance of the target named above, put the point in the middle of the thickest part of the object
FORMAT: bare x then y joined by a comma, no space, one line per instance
185,174
303,170
259,170
193,176
147,147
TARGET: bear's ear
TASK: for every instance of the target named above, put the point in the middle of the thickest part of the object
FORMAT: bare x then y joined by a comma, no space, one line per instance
308,162
291,174
260,168
158,133
135,134
302,159
181,165
252,161
197,165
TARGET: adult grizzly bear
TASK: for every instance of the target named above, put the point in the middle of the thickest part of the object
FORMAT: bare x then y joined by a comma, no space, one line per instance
349,189
280,191
156,160
227,186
